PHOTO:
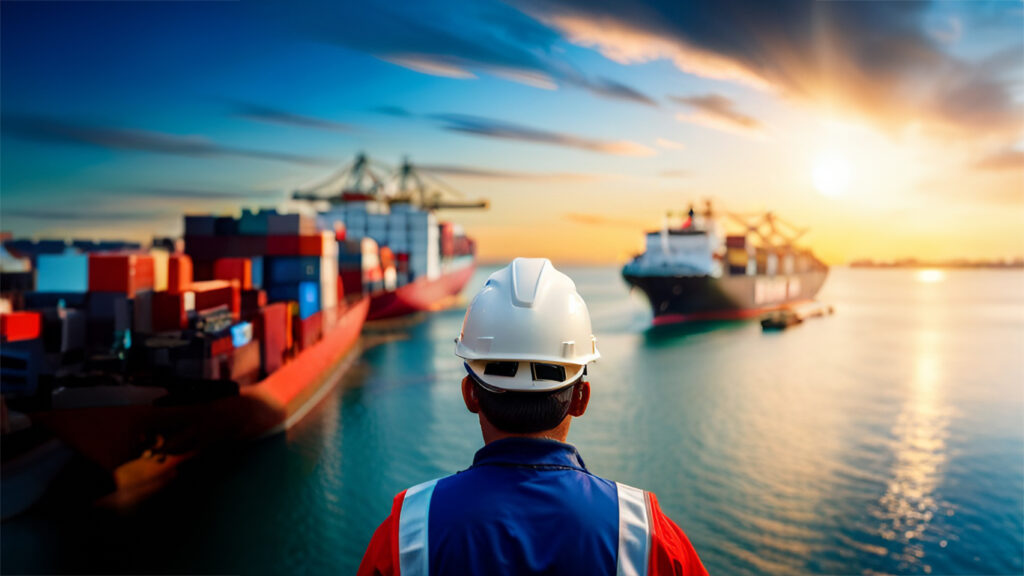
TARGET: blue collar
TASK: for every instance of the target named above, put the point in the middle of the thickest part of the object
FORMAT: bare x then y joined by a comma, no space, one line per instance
530,453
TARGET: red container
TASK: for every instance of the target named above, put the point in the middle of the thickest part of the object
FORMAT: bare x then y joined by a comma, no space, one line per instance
295,246
352,281
273,330
122,273
179,273
17,326
238,269
170,310
214,293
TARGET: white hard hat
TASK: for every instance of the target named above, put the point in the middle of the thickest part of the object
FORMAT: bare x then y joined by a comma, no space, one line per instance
527,329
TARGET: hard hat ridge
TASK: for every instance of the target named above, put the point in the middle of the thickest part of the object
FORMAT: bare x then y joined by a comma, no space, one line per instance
527,312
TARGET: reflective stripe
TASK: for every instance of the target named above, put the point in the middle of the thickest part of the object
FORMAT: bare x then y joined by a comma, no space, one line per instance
413,521
634,531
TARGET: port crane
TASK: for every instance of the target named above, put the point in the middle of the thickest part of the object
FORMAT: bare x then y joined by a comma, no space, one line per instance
364,179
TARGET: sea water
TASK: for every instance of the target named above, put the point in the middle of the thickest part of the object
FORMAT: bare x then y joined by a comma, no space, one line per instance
887,438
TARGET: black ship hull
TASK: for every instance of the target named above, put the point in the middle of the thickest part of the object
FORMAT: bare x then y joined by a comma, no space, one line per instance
694,298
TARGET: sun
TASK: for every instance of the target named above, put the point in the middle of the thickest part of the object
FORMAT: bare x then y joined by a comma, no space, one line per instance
831,174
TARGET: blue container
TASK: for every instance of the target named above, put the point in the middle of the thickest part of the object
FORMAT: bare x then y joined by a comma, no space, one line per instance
62,273
307,294
292,269
257,271
38,300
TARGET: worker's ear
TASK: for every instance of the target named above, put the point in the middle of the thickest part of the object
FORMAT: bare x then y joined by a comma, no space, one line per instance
580,399
469,395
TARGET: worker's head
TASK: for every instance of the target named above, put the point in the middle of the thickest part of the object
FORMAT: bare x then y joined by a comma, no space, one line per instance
526,341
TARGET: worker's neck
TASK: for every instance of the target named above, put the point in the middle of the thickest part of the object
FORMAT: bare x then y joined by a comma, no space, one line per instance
492,434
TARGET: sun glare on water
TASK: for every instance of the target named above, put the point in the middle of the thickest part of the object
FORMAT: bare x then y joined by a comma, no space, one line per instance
832,174
930,276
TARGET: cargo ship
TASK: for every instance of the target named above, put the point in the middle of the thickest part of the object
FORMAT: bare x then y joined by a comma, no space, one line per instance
138,360
424,262
691,270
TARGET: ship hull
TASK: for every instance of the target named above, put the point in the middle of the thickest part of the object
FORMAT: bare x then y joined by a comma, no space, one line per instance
677,299
141,446
423,295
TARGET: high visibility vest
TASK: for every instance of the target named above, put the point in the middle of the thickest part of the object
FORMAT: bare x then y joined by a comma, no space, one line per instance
528,506
414,538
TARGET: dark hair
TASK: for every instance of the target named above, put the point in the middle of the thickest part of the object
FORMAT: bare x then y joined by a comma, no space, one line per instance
524,412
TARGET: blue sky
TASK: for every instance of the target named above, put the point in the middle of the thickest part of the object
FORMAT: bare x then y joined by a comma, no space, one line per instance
581,121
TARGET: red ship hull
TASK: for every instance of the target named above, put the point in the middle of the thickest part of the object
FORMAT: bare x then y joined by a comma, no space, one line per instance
420,296
142,445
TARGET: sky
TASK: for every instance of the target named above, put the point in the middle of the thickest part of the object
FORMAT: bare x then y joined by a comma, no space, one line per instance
889,128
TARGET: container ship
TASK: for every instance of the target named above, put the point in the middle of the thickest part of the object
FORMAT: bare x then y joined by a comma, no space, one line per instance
141,359
693,271
424,263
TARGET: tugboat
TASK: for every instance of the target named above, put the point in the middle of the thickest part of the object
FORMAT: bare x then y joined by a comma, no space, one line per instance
693,271
780,320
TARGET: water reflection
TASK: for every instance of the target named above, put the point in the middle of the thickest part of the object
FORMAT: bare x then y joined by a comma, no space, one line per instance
910,503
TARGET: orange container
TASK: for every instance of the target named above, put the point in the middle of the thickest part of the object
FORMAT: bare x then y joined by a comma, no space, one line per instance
214,293
179,273
239,269
122,273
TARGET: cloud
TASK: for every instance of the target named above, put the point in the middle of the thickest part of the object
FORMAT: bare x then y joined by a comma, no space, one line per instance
605,221
197,194
490,128
669,144
277,116
454,40
878,60
83,216
1006,159
718,112
487,173
396,111
65,132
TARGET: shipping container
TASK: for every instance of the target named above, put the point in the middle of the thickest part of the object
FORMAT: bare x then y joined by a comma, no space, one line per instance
254,223
273,330
179,273
171,310
62,273
16,326
213,294
200,225
291,269
123,273
290,225
234,270
306,294
253,301
38,300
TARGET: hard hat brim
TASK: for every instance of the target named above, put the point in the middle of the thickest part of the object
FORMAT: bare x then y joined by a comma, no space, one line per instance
523,380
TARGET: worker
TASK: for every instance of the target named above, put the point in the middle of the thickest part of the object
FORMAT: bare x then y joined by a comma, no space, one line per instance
528,504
